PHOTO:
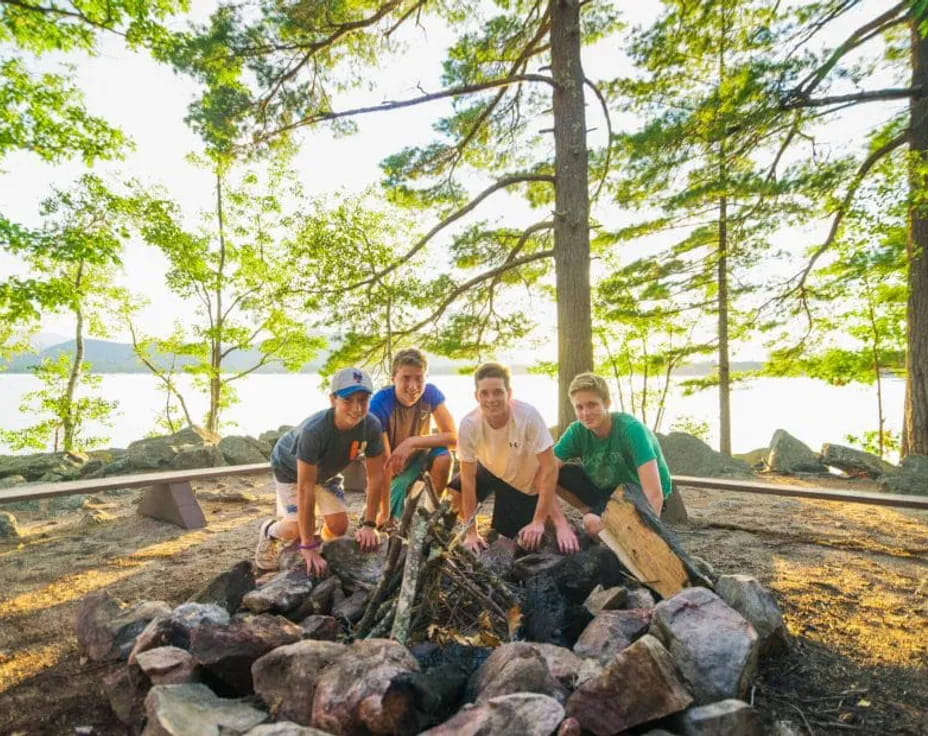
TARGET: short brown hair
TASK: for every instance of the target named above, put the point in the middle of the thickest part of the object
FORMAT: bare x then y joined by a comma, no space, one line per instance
409,356
590,382
493,370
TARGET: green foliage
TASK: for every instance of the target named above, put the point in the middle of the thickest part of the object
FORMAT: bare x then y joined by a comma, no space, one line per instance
692,426
870,441
73,260
237,272
56,408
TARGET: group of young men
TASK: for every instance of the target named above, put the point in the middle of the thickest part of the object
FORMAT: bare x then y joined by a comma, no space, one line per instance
504,448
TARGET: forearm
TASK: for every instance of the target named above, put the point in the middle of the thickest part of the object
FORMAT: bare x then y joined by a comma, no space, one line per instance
546,481
378,484
428,441
468,495
650,478
306,510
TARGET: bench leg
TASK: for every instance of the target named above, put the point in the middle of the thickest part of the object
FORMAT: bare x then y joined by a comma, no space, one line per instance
174,503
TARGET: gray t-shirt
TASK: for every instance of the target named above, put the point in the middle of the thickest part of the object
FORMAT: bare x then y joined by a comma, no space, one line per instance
317,441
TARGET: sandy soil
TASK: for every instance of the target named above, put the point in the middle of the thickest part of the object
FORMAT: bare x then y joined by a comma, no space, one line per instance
852,581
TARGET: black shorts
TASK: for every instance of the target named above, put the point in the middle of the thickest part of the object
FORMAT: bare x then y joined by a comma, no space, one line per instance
512,509
573,478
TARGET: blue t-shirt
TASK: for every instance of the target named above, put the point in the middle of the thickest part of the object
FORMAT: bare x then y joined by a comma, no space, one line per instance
400,421
319,442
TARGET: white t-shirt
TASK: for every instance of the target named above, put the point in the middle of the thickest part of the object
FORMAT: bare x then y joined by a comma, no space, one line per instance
510,452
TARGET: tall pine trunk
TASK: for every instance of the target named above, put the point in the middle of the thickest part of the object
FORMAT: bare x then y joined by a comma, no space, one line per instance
724,364
572,204
915,430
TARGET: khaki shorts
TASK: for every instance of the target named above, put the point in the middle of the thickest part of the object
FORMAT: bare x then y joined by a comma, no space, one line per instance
327,501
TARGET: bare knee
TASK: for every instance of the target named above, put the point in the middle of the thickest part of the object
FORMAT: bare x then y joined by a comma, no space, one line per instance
441,472
287,530
336,524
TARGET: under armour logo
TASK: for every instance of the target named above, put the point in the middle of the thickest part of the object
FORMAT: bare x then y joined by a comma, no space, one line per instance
514,444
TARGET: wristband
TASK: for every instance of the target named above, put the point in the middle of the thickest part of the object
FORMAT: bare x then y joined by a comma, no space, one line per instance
369,524
315,544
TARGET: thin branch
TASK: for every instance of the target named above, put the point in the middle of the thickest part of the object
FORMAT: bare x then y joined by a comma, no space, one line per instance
862,172
602,102
62,13
397,104
506,181
856,98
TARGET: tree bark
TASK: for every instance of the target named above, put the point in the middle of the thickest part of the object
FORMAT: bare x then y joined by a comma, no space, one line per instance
215,378
572,204
915,434
68,419
724,364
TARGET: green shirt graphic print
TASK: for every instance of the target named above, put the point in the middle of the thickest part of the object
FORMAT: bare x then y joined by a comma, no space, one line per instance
613,460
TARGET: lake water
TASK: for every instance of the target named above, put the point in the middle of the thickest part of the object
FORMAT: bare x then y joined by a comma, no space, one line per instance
809,409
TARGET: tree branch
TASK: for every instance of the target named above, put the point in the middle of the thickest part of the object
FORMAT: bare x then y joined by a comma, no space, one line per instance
856,98
397,104
602,102
862,172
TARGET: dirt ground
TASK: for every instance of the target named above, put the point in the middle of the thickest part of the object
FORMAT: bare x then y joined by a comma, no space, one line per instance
852,581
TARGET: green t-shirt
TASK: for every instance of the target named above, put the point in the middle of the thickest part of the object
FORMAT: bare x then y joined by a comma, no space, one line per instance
614,460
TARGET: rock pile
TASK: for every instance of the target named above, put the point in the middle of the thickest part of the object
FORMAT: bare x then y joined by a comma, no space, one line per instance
582,647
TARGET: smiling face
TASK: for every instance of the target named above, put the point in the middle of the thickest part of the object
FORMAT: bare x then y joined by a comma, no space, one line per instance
493,398
590,409
409,382
351,409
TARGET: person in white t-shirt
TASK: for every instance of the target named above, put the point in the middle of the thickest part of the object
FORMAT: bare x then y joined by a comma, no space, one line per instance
505,448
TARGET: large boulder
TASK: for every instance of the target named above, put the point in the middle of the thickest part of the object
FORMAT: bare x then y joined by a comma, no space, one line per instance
285,678
228,588
188,458
640,684
179,710
789,455
757,604
688,455
283,593
356,569
44,466
516,667
611,632
8,528
855,462
526,714
272,435
107,628
351,694
244,450
715,648
912,477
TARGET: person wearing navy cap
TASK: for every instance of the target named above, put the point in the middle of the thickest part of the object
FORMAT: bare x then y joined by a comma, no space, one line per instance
307,462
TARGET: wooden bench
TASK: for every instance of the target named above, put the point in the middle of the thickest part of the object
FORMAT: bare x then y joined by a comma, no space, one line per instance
170,496
874,498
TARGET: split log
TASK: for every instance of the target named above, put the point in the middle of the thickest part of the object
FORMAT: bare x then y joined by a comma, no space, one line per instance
645,546
404,604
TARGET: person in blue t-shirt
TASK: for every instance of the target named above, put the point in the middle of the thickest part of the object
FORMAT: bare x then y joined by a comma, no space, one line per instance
405,411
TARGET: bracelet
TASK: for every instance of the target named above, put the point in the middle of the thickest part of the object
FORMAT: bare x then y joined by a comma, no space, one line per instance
315,544
369,524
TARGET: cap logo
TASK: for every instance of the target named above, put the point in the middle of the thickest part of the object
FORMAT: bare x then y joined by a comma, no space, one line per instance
358,378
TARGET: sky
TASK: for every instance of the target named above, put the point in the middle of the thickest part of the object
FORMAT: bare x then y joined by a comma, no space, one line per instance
148,101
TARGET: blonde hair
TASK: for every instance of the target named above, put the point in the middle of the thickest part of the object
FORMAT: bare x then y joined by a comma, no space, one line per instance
493,370
409,356
590,382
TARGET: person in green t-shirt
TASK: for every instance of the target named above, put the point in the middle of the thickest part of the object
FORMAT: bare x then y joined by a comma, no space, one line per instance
603,450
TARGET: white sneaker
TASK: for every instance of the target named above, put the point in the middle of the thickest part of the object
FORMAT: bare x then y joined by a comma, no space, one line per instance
267,552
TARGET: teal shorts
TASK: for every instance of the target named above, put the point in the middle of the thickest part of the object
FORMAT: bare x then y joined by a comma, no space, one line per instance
401,483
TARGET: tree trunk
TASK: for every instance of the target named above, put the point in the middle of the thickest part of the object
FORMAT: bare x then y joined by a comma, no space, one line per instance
915,434
215,358
724,365
572,204
68,420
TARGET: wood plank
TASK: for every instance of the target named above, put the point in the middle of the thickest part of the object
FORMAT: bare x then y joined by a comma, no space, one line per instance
641,549
822,494
95,485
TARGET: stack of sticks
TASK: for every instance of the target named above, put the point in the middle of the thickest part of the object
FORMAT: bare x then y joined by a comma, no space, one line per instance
433,587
